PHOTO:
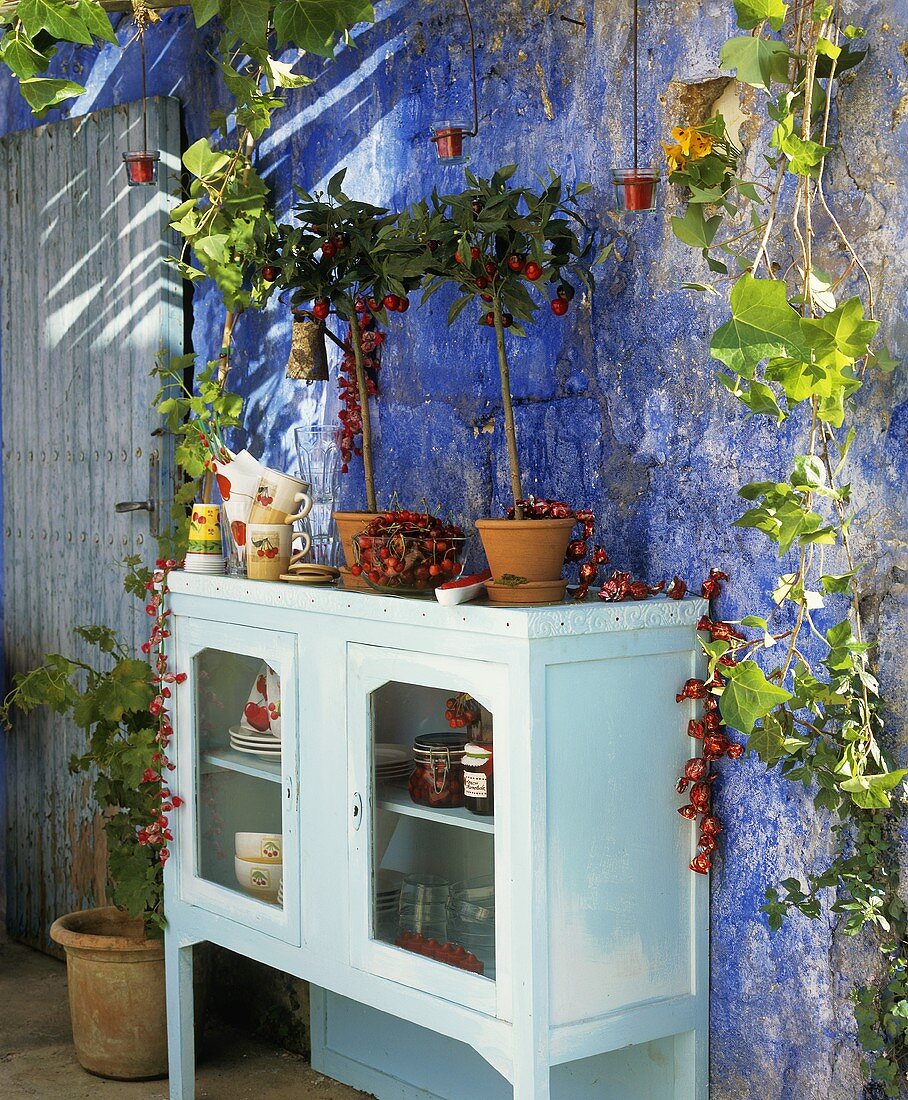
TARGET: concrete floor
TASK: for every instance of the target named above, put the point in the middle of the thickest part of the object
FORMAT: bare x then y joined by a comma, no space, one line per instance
37,1060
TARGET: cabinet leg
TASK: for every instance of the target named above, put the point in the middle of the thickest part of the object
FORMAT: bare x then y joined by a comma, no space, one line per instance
531,1078
180,1019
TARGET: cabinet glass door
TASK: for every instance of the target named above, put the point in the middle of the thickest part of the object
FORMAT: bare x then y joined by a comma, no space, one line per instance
237,736
427,907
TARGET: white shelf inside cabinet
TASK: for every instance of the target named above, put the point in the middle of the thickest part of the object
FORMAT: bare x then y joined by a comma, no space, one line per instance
244,763
398,802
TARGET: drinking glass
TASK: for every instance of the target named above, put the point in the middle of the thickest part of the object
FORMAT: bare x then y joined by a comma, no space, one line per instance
318,450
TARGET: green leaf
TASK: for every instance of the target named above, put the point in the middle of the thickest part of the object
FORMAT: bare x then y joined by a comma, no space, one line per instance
756,61
751,13
204,10
41,93
96,20
837,582
883,361
749,696
248,19
842,336
284,77
808,472
58,18
763,324
768,741
21,56
313,25
694,229
203,161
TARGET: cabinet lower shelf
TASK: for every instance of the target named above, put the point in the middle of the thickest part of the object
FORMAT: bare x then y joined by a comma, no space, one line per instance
399,802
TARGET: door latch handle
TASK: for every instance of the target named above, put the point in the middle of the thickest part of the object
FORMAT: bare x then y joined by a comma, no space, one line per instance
357,811
149,505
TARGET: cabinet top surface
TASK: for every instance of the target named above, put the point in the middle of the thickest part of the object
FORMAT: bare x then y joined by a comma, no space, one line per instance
560,620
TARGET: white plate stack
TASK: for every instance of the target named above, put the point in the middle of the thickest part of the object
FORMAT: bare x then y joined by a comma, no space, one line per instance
204,563
387,904
393,764
244,739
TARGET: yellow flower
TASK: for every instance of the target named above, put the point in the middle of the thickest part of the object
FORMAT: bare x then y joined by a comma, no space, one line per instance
701,145
674,156
682,136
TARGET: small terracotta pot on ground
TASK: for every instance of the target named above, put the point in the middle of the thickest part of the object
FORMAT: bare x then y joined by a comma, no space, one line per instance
116,993
350,524
532,549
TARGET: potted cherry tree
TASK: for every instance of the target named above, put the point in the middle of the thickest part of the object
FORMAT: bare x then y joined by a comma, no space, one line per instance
348,258
503,248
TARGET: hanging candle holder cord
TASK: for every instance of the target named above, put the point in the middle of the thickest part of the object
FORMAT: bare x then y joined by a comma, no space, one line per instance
451,138
142,164
636,188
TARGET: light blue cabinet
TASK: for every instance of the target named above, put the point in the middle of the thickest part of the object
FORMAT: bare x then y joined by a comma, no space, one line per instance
591,932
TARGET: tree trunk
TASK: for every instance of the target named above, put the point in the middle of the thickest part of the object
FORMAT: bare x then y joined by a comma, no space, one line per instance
510,431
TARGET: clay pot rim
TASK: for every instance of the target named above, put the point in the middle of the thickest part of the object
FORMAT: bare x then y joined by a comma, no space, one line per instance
73,932
524,524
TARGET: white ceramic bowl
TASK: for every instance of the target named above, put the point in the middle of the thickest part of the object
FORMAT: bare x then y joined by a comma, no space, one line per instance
261,879
260,847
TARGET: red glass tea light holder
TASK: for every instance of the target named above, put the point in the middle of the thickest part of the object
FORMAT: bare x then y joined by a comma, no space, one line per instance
452,141
636,189
142,167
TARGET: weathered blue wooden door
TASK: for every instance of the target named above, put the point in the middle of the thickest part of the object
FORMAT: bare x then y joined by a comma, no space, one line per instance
86,304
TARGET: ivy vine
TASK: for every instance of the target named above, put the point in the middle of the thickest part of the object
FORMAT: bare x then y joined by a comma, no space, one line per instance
801,342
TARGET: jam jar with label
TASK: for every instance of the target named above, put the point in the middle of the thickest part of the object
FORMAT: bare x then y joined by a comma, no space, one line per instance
478,783
437,776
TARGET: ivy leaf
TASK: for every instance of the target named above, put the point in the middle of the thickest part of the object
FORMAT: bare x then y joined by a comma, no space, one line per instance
312,25
756,61
751,13
41,93
837,582
749,696
694,229
768,741
284,77
22,57
883,361
96,20
56,18
203,161
871,792
248,19
763,324
842,336
808,472
204,10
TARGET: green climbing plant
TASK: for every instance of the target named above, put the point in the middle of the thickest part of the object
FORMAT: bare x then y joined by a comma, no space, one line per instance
801,343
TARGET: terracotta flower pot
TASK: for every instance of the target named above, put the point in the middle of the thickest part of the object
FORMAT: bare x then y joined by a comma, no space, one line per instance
530,548
348,525
116,993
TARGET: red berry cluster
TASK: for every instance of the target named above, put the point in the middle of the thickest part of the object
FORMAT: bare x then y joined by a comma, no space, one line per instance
157,834
403,549
461,711
454,954
350,414
491,272
698,772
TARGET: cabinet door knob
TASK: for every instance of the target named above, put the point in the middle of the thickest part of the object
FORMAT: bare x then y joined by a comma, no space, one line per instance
357,810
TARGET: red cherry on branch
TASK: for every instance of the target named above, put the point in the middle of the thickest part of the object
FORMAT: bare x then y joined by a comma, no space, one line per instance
403,305
559,306
391,301
475,253
491,269
532,271
482,282
489,319
321,309
506,320
329,249
270,273
516,263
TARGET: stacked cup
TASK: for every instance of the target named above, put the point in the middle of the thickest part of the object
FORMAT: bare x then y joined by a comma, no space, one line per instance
471,919
259,865
424,906
204,553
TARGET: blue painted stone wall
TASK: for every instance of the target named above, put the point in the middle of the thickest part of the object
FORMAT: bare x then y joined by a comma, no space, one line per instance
618,407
